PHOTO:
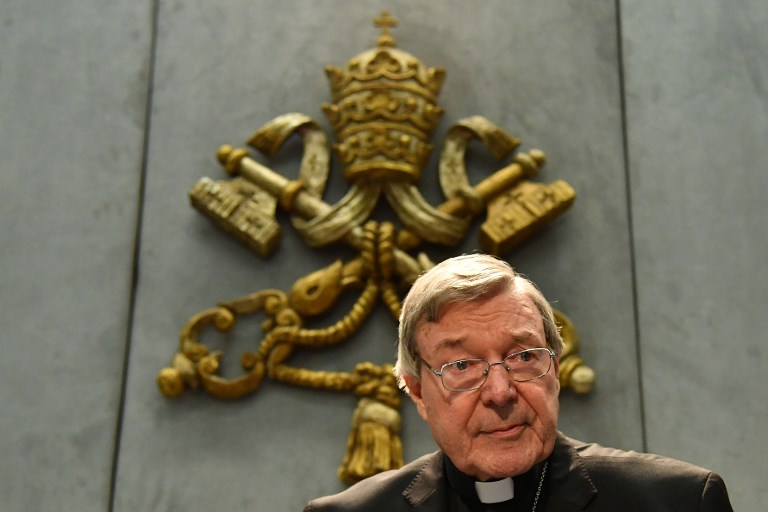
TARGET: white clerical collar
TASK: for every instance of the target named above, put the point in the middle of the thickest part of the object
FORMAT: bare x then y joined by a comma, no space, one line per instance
495,492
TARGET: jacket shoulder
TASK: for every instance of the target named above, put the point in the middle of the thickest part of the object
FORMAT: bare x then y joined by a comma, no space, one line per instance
634,464
388,490
659,481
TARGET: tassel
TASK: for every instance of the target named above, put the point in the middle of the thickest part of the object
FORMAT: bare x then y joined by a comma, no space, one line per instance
373,444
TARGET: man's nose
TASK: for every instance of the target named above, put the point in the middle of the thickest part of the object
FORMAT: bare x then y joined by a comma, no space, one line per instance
499,388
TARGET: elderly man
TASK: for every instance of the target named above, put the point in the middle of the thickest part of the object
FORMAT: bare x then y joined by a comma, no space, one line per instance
478,355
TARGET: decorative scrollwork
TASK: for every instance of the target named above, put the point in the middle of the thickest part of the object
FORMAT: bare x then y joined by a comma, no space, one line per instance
384,112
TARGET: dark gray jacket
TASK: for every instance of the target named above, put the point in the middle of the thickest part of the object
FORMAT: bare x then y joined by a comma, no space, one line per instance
581,477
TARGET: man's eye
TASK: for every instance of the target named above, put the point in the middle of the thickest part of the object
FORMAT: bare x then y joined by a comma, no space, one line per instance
526,356
461,365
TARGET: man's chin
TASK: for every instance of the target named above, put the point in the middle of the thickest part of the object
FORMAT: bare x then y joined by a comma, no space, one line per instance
502,462
498,469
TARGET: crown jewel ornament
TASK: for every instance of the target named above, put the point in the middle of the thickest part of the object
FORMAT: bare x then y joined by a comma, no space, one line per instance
385,111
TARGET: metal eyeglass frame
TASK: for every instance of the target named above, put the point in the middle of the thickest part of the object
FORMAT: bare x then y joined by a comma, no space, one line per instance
487,371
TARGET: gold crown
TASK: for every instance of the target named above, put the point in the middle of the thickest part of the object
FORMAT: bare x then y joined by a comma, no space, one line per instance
384,111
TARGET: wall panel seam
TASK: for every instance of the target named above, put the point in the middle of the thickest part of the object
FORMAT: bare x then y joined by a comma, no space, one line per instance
630,220
135,267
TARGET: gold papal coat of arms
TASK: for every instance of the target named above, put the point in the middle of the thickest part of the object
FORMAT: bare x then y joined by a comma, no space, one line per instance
383,114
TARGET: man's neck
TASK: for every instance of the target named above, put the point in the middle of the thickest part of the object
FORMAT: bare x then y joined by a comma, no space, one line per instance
518,491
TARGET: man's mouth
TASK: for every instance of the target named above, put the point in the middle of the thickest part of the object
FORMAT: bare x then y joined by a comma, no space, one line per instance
506,431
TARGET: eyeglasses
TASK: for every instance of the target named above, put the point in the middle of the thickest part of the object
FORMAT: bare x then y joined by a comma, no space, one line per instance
470,374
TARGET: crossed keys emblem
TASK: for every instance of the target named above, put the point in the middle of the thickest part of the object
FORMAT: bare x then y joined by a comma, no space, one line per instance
383,114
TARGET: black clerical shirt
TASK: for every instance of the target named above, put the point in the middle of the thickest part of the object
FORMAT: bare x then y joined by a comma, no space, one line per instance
462,495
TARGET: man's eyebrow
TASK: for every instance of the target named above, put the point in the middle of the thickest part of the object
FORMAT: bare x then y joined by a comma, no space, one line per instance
449,343
522,335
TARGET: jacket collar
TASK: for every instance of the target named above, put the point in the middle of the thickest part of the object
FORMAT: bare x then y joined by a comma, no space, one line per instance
429,488
569,486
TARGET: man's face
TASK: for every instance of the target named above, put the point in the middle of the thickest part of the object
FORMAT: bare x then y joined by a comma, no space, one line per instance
505,427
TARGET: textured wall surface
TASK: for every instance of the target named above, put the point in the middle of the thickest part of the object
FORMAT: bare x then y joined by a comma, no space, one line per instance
656,114
73,84
697,119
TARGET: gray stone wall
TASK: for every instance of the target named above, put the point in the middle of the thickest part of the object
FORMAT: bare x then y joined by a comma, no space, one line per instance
656,113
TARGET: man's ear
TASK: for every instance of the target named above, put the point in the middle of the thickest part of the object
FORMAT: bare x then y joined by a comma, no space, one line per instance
414,391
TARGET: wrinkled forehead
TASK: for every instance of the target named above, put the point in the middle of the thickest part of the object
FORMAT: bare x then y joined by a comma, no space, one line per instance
441,305
515,304
444,301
